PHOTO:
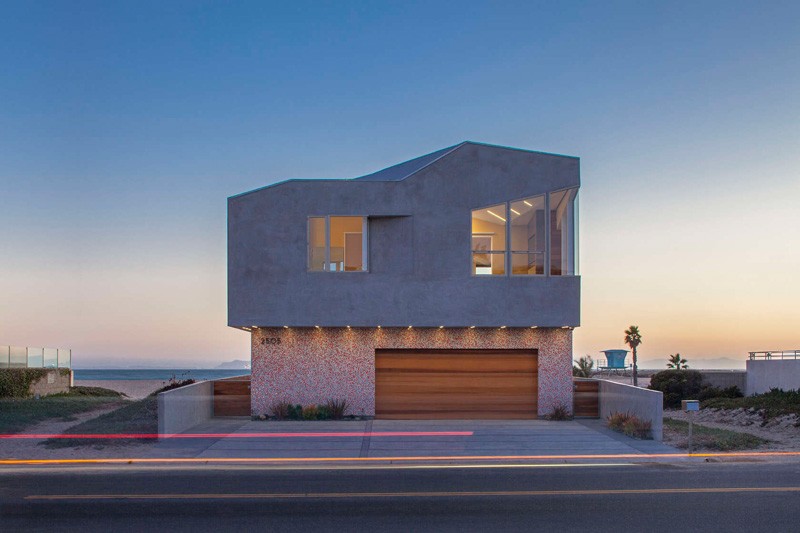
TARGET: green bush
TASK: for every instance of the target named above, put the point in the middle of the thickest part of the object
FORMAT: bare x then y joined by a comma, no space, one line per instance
16,382
708,392
336,408
677,385
772,404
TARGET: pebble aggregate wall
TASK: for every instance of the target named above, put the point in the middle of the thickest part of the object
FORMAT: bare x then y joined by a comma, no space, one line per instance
313,365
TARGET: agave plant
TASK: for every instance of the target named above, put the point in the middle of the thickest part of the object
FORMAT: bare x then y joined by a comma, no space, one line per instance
583,367
677,362
633,338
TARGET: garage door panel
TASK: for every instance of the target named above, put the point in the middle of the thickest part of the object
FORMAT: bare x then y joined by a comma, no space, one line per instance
456,384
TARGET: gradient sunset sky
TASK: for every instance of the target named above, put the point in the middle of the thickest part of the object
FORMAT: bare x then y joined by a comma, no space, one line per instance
124,126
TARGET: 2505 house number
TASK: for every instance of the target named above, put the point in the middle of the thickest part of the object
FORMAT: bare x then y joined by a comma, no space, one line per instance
270,341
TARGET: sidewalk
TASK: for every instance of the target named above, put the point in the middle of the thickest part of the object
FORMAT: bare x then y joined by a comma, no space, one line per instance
484,438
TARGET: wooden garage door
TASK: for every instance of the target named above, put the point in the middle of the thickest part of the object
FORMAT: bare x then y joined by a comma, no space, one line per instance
455,384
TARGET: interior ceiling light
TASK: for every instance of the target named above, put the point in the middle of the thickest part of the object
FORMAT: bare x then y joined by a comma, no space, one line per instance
515,211
526,202
495,214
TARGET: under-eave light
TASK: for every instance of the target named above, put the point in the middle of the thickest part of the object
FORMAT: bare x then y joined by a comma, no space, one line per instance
285,327
409,327
441,327
348,327
317,327
534,327
502,327
566,327
379,327
472,327
495,214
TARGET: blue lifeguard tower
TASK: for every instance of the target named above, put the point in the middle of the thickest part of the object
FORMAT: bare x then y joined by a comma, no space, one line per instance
615,362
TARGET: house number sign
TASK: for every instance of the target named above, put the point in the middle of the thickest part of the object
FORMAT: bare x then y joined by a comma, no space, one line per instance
270,341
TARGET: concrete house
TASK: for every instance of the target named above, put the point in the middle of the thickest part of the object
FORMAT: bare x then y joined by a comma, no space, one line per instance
442,287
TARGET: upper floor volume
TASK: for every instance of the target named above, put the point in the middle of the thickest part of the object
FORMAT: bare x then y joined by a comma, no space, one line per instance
471,235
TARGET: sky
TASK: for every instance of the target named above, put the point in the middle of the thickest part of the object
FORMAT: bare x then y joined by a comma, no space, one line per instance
124,127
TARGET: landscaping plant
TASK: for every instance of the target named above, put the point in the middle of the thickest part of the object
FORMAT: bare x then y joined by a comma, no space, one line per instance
633,338
677,362
583,367
560,412
336,408
677,385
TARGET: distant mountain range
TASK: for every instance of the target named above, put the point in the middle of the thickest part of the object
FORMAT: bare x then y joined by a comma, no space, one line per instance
719,363
236,364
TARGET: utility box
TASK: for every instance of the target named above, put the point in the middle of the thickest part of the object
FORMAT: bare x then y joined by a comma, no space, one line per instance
690,405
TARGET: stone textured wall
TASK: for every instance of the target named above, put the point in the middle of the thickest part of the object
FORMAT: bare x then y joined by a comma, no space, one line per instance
56,381
310,365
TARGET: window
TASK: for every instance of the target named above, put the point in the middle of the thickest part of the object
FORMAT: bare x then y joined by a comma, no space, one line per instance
528,236
489,241
337,244
563,232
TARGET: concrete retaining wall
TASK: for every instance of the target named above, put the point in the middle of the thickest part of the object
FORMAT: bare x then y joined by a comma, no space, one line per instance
645,404
56,381
765,374
725,378
180,409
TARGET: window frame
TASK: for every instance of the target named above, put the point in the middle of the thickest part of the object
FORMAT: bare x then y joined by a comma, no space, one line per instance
508,252
327,261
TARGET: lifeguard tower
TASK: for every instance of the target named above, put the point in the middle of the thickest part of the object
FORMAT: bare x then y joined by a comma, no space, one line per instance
615,362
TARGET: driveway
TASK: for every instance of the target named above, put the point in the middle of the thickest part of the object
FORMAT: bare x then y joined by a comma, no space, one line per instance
244,438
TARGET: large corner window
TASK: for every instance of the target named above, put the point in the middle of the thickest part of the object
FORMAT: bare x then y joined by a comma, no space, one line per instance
489,241
337,244
527,237
563,232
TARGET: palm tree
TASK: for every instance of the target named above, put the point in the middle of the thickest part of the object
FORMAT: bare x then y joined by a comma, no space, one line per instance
633,339
677,362
582,368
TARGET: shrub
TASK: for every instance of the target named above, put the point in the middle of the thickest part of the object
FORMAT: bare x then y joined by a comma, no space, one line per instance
630,425
295,412
172,384
16,382
309,412
637,428
560,412
708,392
323,413
677,385
280,410
336,408
616,421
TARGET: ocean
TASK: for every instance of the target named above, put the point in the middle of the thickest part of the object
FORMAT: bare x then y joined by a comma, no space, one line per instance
164,374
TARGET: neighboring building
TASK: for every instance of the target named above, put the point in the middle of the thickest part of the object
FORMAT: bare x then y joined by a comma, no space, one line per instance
442,287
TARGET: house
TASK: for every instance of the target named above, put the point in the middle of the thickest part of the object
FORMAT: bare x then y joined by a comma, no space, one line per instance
442,287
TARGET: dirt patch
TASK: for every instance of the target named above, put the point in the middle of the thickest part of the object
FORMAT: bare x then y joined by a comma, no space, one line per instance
782,431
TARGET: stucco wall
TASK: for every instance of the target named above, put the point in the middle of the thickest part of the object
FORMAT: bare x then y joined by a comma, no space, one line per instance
311,365
420,240
763,375
646,404
184,407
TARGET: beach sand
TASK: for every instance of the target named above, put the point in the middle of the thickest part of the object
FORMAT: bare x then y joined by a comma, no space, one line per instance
134,388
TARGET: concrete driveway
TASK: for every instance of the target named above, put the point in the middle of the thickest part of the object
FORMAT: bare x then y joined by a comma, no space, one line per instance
244,438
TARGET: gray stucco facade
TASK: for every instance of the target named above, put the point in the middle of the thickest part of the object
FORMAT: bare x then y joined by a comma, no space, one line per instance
419,247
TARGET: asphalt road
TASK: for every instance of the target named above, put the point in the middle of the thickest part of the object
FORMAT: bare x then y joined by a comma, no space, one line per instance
649,497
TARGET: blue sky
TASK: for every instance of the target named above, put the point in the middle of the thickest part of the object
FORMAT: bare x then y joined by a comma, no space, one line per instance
125,125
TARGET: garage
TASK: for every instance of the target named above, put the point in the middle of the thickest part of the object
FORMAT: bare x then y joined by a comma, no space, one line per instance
465,384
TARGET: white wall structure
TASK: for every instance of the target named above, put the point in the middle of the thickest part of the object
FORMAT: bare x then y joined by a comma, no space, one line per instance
766,374
645,404
179,409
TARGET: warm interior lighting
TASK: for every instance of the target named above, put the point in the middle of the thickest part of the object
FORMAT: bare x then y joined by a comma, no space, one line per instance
254,327
526,202
515,211
495,214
